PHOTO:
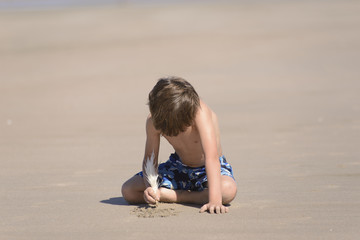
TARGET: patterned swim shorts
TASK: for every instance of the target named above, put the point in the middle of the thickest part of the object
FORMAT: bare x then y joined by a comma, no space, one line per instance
173,174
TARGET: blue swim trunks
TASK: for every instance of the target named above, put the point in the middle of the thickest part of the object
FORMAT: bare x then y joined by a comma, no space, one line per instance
173,174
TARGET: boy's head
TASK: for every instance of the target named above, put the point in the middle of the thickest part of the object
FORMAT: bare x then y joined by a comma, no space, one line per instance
173,104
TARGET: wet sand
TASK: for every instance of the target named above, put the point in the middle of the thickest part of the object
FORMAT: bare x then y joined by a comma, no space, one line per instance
283,78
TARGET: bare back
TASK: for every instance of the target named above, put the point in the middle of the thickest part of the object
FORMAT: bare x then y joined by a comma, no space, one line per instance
188,143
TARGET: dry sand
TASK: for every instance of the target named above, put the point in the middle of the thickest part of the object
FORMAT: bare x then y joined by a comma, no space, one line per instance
283,77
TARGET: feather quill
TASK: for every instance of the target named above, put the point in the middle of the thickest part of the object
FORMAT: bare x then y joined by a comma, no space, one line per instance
150,173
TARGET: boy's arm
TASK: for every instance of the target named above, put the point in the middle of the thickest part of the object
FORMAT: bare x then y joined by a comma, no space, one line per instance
152,145
207,133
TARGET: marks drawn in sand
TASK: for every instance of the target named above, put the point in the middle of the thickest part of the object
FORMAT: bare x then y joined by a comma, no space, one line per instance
153,211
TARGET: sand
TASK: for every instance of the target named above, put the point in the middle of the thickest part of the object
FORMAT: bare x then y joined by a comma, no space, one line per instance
152,211
283,77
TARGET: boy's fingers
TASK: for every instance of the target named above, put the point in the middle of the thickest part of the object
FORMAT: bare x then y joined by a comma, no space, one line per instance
217,209
211,209
151,200
157,198
203,208
148,198
152,193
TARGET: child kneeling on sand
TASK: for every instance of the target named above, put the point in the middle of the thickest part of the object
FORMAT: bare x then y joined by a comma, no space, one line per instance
197,172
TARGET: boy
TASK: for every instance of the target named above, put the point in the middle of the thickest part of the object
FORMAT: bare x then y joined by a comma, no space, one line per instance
197,172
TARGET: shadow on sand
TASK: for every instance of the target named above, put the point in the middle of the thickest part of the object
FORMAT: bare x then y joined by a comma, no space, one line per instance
116,201
122,202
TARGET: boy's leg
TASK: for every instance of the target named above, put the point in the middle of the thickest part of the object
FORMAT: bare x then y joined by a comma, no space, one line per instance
228,191
133,190
183,196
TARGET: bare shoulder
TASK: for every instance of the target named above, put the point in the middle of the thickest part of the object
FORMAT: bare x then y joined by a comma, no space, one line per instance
205,113
206,123
206,120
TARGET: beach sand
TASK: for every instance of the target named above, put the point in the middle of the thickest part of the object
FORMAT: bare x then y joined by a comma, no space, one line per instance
283,77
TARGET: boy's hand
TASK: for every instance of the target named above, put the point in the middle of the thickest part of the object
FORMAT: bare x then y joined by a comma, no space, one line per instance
214,208
150,196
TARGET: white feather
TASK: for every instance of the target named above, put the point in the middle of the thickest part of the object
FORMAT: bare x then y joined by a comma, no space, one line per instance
150,173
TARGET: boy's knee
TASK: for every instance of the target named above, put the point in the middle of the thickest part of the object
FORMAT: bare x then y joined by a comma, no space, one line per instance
127,193
228,190
132,190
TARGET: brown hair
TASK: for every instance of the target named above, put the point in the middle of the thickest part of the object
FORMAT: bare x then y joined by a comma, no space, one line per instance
173,104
